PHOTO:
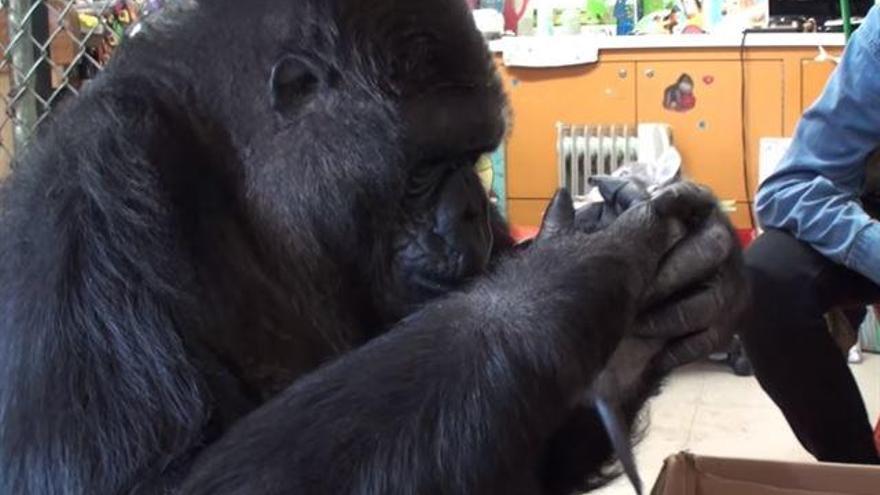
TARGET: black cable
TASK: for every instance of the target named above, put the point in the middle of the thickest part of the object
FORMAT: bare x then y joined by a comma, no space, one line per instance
743,130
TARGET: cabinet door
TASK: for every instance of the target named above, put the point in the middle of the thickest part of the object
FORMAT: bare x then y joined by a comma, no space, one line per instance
602,93
814,75
765,95
526,212
701,100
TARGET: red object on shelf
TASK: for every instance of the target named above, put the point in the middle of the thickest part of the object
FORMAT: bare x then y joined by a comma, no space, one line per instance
512,15
746,236
522,233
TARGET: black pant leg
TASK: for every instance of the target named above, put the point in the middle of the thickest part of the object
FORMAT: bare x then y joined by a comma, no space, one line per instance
795,359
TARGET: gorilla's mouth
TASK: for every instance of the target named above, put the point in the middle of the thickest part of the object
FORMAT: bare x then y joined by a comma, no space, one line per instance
432,285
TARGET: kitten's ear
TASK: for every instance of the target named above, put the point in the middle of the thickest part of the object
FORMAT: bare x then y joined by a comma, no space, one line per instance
559,216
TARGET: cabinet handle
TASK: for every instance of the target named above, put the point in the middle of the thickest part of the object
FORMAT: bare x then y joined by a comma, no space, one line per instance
649,73
622,73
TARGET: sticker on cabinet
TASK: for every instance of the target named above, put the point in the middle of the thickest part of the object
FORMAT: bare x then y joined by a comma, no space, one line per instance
680,96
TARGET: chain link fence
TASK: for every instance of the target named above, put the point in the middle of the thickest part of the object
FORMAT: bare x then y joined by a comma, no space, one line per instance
51,48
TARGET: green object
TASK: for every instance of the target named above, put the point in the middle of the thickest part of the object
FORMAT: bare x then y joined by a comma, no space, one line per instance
650,6
846,14
596,12
499,180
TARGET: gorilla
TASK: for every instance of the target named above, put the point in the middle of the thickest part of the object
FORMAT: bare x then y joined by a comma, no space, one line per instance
253,256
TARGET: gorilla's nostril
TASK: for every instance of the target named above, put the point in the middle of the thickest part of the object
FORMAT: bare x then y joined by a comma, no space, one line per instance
461,262
468,215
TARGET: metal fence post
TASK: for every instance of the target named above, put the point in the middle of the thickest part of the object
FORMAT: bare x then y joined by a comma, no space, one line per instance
21,52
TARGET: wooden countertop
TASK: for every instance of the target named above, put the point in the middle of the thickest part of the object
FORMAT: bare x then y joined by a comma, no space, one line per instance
678,41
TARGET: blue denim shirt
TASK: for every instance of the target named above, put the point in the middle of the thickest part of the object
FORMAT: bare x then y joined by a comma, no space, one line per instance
814,193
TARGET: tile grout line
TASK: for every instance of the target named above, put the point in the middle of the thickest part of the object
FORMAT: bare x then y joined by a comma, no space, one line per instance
697,404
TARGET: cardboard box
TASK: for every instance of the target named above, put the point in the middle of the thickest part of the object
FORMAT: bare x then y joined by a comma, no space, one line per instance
688,474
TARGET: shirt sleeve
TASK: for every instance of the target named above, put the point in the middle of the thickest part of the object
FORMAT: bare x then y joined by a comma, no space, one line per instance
814,193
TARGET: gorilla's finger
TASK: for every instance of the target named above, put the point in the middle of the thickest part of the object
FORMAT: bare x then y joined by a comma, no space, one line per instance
647,235
619,435
618,196
686,201
668,218
621,194
691,348
559,217
694,312
695,259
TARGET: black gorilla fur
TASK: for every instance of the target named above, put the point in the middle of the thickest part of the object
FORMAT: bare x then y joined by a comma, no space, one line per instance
253,258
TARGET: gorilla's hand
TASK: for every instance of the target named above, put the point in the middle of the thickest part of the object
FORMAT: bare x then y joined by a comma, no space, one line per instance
650,230
634,245
642,237
690,305
618,196
697,296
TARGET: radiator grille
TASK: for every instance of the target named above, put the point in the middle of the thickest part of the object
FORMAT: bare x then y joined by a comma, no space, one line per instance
587,150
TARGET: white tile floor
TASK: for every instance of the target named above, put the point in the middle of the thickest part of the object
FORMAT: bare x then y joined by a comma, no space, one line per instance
707,410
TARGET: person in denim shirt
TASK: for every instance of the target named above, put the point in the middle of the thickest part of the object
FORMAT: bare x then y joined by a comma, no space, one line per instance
820,251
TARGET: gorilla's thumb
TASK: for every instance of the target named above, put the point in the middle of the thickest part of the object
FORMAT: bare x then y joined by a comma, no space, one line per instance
621,194
559,216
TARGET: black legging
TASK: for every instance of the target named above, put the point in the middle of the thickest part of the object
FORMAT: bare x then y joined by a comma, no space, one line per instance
794,357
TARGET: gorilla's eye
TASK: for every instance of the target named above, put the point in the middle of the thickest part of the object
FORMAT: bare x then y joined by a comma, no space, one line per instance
428,178
294,79
425,181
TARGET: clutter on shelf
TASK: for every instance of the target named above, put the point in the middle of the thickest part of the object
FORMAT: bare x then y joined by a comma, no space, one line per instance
623,17
103,25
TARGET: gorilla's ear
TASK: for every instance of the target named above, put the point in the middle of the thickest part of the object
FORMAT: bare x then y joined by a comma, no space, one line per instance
294,80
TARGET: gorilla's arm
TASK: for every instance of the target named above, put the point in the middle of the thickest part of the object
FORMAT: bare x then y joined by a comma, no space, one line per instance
462,396
459,398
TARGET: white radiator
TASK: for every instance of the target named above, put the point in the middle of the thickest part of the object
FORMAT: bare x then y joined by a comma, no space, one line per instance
587,150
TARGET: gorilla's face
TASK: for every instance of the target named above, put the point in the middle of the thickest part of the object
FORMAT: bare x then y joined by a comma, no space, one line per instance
453,111
384,112
446,237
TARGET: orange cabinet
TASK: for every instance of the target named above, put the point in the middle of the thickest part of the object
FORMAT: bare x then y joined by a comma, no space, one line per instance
735,103
764,117
601,93
526,211
708,135
717,131
813,77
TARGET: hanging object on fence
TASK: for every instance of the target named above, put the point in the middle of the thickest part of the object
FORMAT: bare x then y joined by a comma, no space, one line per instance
105,25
